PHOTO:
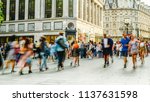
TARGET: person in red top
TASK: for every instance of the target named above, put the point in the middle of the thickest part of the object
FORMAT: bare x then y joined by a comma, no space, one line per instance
75,53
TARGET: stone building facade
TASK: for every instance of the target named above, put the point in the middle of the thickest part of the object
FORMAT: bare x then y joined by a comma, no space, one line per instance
126,16
78,19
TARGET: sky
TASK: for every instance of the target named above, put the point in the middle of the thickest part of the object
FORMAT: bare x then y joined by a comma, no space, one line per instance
146,2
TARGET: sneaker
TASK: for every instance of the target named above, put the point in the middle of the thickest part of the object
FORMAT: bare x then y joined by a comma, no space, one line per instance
62,68
13,71
134,67
71,64
41,70
21,73
112,61
30,72
108,63
59,69
125,66
104,65
46,68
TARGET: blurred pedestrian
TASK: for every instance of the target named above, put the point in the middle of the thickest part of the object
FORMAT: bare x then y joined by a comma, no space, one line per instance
133,48
75,54
25,59
44,53
11,56
106,49
61,46
124,43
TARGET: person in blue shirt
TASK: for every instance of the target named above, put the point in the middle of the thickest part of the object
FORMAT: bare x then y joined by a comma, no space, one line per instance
125,42
61,46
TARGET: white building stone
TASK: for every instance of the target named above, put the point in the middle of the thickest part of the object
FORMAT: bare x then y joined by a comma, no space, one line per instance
83,22
116,12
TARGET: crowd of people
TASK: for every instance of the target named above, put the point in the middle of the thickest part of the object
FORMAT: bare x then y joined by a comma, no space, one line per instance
21,53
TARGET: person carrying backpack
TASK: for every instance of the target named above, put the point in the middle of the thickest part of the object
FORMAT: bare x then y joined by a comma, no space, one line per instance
44,53
61,46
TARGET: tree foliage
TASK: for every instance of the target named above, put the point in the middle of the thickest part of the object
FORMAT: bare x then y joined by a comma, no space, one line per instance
1,13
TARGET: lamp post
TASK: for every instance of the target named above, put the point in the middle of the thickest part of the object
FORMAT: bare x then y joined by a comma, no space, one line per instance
137,29
127,25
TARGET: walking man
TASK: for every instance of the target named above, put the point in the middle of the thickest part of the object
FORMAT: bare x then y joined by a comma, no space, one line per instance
61,46
106,50
124,42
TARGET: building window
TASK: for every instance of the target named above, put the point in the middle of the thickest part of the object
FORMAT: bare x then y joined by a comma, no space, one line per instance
46,26
59,8
31,27
4,9
21,9
31,9
21,27
107,25
58,25
70,8
12,9
12,28
2,28
48,8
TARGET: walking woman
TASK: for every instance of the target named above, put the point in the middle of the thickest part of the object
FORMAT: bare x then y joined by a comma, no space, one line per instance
75,53
44,53
142,49
11,57
133,48
25,59
90,50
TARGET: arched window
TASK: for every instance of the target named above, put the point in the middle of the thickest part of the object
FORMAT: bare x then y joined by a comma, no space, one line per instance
12,9
48,8
21,9
70,8
31,9
59,8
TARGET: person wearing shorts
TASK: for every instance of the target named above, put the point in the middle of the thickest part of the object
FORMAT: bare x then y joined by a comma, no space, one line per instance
106,50
124,42
142,50
133,48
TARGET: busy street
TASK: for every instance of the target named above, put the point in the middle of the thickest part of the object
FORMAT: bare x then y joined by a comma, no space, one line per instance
88,73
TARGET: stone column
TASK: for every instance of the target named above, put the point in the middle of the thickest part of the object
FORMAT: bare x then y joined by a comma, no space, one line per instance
85,8
37,8
93,12
7,10
53,8
26,9
96,14
90,9
65,8
95,7
17,10
81,9
101,16
42,5
75,8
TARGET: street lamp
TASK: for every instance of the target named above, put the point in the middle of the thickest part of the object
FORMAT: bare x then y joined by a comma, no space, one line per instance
127,22
137,29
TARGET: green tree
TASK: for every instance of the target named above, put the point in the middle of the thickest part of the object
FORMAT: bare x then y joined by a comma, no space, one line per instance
1,13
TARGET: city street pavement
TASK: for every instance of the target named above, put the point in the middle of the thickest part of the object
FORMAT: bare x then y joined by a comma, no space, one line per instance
90,72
